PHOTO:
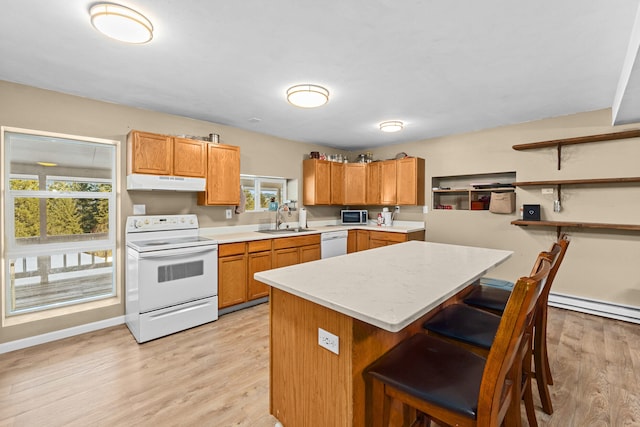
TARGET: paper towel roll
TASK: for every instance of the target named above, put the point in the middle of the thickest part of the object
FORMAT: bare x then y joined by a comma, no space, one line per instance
302,218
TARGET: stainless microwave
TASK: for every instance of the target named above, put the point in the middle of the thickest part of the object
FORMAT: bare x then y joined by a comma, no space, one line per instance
353,217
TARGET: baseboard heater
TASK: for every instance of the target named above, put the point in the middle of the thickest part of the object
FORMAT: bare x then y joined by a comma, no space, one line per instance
598,308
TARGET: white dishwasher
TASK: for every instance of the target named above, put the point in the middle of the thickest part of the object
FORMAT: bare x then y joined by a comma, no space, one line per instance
333,243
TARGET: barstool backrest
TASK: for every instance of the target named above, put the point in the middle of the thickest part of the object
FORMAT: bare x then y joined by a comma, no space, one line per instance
495,387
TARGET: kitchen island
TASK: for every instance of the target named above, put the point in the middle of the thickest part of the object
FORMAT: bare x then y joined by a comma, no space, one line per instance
370,301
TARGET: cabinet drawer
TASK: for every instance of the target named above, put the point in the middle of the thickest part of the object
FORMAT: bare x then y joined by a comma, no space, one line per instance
388,236
292,242
259,246
231,249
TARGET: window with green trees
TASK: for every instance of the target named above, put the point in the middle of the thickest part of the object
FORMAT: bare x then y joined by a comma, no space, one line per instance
59,220
262,190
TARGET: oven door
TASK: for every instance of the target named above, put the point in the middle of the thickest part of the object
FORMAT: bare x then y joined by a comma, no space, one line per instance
174,276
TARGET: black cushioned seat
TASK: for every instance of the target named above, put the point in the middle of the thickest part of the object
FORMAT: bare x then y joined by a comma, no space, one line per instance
465,324
433,370
488,297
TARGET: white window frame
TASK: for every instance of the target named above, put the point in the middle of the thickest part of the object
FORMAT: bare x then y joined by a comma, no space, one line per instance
258,180
12,250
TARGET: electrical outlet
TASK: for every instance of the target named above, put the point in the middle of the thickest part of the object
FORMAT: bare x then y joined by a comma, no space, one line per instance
425,209
228,213
329,341
397,209
547,191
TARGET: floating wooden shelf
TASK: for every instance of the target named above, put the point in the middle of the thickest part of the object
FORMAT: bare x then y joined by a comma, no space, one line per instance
634,133
579,181
558,143
575,224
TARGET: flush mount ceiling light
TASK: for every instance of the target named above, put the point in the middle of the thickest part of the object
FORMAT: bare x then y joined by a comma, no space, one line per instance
391,126
121,23
48,164
307,96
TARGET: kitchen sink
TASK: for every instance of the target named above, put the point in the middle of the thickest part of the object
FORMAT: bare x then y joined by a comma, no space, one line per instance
286,230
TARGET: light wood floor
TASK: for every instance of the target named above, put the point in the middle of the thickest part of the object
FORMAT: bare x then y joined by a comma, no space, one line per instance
218,375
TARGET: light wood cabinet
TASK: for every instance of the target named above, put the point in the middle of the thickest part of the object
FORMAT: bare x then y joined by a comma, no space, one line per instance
382,238
365,239
237,263
337,183
388,182
316,189
155,154
223,176
295,250
355,183
373,196
410,181
352,245
258,259
362,240
189,157
232,274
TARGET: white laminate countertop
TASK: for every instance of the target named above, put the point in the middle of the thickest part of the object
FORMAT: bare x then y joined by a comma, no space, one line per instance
388,287
248,233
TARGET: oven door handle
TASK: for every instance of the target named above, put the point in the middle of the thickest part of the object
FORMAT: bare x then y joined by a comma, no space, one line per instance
172,253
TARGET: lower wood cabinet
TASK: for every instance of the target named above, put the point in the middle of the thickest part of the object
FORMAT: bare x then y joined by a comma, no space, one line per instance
258,259
361,240
232,274
238,262
295,250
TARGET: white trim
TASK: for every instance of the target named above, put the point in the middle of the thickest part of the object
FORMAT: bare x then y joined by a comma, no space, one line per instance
598,308
57,335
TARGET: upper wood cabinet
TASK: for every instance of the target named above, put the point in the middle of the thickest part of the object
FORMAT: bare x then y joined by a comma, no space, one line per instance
410,181
189,157
316,188
388,182
223,176
337,183
154,154
373,196
355,183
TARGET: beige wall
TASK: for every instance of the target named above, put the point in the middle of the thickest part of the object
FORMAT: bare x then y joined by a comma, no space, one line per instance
600,265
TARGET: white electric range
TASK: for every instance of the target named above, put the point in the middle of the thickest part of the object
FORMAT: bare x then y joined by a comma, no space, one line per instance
171,277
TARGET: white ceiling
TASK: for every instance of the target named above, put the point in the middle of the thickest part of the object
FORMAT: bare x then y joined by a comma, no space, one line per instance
442,67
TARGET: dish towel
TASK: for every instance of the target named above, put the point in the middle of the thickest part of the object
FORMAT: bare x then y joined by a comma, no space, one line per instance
243,201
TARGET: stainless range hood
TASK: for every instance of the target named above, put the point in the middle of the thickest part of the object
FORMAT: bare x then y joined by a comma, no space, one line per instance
164,182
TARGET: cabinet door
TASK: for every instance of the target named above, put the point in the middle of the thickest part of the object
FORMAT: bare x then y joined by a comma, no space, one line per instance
388,238
337,183
362,240
377,243
232,280
149,153
352,245
189,157
285,257
410,181
257,261
388,182
309,253
355,182
316,189
373,183
223,176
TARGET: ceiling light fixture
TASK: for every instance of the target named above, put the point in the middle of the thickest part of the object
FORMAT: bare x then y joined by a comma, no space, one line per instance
307,96
391,126
121,23
48,164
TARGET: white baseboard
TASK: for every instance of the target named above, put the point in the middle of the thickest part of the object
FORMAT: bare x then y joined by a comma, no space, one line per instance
56,335
598,308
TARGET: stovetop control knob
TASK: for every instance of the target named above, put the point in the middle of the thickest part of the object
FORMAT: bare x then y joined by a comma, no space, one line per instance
138,223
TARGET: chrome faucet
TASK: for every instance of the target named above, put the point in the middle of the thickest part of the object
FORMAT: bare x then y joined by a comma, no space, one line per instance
282,207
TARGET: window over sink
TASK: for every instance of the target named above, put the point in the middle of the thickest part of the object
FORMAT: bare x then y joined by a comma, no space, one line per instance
259,191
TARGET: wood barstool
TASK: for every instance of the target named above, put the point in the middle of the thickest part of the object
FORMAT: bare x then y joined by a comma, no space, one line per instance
494,300
447,383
